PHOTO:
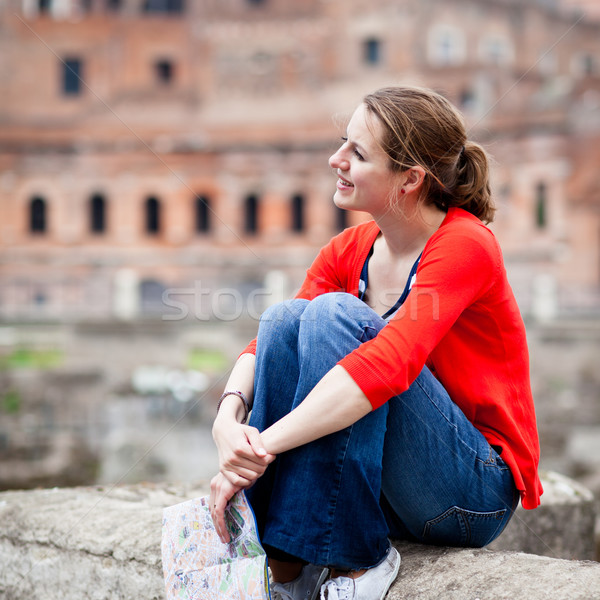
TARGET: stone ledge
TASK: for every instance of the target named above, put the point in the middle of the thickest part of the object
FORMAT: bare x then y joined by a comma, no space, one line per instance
561,527
100,543
432,573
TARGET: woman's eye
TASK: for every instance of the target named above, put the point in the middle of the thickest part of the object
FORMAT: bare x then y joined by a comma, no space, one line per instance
356,152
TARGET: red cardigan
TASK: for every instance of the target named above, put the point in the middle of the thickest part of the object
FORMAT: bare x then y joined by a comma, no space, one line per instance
461,320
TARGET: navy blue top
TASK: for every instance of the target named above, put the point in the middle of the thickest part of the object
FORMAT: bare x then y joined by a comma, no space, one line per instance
364,282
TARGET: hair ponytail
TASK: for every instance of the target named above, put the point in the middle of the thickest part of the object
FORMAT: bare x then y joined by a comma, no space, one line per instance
472,188
423,128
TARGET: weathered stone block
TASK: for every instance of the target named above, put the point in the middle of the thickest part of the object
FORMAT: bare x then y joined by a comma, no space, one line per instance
561,527
104,543
430,573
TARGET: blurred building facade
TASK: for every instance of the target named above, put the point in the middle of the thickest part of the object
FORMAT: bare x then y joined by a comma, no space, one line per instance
169,157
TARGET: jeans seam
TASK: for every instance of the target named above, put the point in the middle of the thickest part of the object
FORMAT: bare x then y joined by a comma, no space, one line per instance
450,423
335,494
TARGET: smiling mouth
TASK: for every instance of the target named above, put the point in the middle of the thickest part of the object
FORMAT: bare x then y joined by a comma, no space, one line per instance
344,183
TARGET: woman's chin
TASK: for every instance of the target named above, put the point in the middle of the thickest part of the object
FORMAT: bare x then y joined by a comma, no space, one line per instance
341,202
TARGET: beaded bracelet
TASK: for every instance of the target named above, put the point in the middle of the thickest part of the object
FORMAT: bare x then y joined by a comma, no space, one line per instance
242,397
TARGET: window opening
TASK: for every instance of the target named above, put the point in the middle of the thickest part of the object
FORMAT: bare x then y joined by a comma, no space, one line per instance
152,216
163,6
541,206
202,214
44,6
298,213
72,76
97,214
37,216
372,51
164,71
251,214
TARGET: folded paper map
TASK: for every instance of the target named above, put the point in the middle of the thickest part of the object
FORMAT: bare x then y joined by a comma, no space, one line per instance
198,566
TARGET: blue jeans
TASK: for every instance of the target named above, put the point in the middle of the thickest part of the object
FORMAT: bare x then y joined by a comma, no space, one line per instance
415,468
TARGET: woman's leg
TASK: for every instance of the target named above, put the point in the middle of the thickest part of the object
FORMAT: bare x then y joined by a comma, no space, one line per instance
275,382
442,482
319,502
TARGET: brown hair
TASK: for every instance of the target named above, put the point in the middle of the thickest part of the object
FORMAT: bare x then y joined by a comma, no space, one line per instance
423,128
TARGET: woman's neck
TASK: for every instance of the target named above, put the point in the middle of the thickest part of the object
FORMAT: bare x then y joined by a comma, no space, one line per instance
406,234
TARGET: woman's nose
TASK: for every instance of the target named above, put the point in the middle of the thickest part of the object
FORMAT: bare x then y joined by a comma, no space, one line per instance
338,161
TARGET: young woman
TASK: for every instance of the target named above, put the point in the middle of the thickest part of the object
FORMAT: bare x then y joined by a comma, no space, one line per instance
391,397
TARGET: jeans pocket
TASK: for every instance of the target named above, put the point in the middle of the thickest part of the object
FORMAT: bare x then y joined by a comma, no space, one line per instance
461,527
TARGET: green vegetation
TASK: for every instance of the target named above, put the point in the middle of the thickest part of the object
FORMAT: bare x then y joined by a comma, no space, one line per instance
207,361
24,358
11,402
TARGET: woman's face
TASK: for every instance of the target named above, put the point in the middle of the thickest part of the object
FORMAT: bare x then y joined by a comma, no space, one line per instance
365,180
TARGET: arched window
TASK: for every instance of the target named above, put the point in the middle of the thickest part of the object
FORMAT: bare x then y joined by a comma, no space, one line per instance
37,215
152,216
496,50
97,214
341,219
298,213
202,214
541,206
251,214
446,45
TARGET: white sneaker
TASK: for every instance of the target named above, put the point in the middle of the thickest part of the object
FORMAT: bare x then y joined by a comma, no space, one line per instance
372,585
305,587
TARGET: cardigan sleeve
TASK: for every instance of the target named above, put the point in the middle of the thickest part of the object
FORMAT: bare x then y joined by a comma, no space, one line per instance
457,268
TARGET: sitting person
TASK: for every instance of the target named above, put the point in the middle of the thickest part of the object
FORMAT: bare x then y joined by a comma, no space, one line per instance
391,397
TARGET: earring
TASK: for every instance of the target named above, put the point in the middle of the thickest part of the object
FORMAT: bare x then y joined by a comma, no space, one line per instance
402,191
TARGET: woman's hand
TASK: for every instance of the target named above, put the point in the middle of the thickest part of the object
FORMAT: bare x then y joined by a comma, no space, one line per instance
221,492
242,456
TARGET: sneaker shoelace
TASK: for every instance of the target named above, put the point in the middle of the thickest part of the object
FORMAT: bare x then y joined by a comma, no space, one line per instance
280,592
340,588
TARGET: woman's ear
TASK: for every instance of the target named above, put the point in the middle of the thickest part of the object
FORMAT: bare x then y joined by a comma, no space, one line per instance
414,177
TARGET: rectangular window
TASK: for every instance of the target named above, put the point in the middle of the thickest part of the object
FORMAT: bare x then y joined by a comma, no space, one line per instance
163,6
202,214
372,51
251,214
298,213
72,68
541,208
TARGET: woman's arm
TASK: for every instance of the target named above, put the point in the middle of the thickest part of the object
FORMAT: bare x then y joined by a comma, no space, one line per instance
333,404
242,457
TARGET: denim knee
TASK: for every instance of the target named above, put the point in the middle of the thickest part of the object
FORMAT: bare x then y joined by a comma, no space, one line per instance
328,307
286,311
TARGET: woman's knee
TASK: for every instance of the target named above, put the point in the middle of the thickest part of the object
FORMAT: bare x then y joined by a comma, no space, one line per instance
329,307
284,312
282,319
